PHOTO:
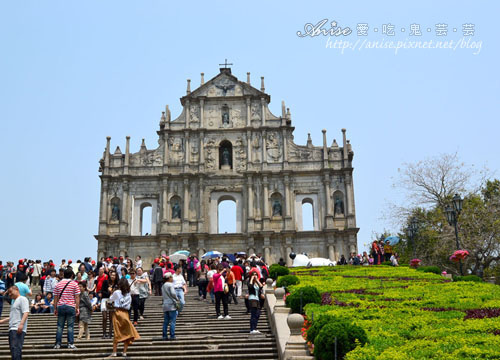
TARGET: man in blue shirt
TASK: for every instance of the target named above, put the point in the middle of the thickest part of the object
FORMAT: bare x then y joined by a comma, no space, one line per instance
24,289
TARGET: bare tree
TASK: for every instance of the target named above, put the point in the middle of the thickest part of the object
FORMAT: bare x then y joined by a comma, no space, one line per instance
433,181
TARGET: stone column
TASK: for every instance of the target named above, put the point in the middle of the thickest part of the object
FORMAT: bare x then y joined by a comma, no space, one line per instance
350,200
202,113
202,148
328,203
288,205
264,152
250,197
201,210
267,249
125,210
331,252
249,147
285,147
127,155
263,107
164,200
165,151
104,200
185,212
106,156
186,142
265,218
251,246
249,111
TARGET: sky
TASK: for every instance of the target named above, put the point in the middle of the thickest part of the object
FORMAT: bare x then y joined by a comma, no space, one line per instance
72,73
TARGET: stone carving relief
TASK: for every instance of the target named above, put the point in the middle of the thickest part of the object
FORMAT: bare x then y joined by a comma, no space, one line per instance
225,87
147,158
240,154
238,121
176,149
256,144
211,153
273,147
255,110
195,152
194,114
212,115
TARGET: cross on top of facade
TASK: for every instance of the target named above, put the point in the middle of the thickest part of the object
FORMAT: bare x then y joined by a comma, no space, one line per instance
226,64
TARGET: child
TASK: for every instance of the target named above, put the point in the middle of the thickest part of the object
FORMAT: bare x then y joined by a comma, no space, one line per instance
85,310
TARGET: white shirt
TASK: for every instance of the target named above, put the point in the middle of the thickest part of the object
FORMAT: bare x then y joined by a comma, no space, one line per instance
122,302
211,273
178,281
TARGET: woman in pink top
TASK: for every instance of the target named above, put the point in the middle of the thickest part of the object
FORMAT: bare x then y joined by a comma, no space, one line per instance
220,294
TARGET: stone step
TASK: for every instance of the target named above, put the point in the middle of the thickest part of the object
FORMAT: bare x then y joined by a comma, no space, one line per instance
199,335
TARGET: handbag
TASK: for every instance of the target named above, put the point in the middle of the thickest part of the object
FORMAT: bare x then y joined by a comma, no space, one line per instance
177,303
226,288
110,306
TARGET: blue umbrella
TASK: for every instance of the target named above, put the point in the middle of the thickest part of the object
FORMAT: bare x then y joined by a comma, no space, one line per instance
183,252
393,240
241,253
211,255
230,257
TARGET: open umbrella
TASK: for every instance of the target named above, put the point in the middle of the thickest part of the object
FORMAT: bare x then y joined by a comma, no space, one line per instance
183,252
393,240
211,255
241,253
175,258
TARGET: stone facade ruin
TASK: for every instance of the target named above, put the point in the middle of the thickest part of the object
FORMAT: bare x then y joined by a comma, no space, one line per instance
227,145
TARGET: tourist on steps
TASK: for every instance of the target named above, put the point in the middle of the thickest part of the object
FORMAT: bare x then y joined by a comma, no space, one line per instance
202,280
67,307
254,290
124,331
85,311
18,322
180,286
170,305
221,291
144,290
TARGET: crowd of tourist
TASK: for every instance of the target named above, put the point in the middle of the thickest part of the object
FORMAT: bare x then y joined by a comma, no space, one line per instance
118,288
380,252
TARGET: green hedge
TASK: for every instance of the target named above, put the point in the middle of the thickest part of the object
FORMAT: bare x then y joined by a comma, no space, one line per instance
287,280
276,270
309,294
474,278
430,269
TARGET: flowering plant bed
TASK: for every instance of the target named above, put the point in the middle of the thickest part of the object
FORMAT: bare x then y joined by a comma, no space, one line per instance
409,314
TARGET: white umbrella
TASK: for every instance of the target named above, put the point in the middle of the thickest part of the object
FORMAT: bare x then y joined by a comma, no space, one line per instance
175,258
211,255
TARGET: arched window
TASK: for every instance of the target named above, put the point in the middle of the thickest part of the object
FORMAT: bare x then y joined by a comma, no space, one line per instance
307,215
226,216
225,155
146,219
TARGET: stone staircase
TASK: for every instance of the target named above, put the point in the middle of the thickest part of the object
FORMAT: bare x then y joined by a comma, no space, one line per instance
199,335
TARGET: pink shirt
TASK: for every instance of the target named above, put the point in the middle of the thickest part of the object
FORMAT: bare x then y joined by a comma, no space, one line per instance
218,282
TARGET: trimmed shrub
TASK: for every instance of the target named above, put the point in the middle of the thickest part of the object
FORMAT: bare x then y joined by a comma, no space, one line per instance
474,278
430,269
387,263
318,324
309,294
287,280
276,270
348,336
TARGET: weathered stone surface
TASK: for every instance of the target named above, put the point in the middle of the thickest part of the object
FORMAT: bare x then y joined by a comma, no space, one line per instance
226,144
